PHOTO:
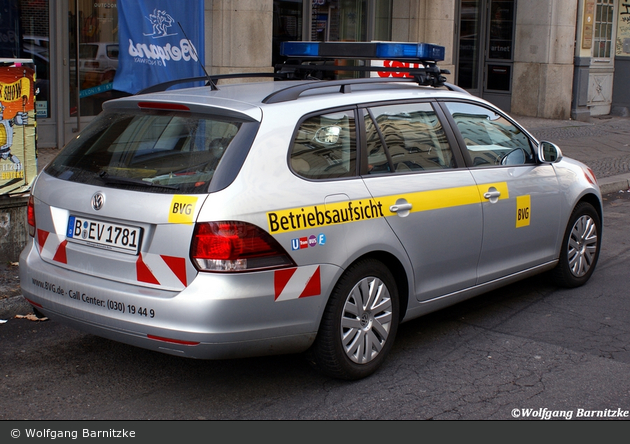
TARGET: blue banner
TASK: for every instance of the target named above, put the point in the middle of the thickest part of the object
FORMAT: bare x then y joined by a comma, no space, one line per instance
160,40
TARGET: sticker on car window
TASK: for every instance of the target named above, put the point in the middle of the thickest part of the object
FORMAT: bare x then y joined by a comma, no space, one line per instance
182,210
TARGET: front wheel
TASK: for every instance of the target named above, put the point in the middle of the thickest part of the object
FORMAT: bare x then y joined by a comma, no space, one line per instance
580,247
359,323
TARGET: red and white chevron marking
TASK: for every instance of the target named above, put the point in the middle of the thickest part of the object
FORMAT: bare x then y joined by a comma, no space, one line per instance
295,283
156,269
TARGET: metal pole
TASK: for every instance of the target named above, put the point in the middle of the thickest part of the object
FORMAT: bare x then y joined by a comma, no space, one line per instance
24,100
77,65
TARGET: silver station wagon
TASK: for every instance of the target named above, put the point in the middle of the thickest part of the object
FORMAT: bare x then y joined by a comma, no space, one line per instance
286,216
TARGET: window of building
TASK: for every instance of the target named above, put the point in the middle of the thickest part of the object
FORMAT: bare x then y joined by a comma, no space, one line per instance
602,37
330,20
97,37
25,33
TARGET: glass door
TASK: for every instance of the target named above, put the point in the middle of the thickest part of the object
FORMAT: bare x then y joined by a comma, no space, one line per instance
499,53
339,20
470,39
486,49
93,55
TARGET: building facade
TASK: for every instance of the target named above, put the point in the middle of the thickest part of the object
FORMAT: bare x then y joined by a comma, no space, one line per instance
555,59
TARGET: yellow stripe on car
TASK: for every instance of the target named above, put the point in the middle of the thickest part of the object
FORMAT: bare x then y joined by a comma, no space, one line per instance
294,219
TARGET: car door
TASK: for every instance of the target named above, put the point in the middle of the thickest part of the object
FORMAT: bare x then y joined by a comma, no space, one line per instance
520,197
432,205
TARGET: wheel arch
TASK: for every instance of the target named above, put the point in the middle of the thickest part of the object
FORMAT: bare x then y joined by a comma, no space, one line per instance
595,201
400,276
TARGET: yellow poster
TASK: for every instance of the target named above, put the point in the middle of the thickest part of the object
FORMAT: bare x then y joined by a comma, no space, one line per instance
18,145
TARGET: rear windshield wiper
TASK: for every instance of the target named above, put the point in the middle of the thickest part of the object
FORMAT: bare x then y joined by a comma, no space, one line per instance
105,177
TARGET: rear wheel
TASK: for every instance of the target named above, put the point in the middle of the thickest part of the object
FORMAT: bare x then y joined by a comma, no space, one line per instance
360,322
580,247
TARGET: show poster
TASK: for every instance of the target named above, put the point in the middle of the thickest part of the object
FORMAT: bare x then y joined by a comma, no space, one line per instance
18,156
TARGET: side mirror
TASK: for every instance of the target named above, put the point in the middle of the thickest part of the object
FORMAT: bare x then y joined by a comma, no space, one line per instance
514,157
328,135
549,152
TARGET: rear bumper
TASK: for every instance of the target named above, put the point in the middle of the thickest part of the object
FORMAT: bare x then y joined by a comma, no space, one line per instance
217,316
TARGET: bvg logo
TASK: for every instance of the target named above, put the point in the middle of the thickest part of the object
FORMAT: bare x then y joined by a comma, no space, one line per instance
182,209
523,210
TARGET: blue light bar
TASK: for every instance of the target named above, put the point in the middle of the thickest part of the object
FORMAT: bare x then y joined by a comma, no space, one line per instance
364,50
421,51
299,49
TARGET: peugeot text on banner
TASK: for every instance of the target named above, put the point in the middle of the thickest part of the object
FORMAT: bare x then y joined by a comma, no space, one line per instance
158,42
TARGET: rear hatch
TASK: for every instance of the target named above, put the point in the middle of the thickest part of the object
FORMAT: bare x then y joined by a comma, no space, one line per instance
120,201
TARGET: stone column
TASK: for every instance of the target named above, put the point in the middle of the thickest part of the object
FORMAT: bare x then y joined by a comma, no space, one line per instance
427,21
543,60
238,36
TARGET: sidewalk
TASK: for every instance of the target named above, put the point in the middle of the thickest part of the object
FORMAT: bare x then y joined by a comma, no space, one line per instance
603,144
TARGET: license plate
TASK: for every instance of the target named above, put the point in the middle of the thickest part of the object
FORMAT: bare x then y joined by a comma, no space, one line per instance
109,236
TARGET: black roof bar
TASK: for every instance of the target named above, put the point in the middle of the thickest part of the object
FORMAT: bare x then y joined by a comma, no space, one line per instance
345,85
210,80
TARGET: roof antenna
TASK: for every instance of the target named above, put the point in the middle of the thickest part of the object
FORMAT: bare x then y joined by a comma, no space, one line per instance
210,82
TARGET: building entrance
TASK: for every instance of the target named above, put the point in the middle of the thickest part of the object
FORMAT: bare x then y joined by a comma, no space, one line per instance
485,52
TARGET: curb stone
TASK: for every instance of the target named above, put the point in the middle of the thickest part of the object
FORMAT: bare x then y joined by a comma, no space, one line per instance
614,184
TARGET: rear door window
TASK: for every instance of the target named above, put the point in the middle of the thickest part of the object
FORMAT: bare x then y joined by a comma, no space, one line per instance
149,151
405,138
325,147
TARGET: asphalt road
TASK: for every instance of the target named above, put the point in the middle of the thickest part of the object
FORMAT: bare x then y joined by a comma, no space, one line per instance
529,350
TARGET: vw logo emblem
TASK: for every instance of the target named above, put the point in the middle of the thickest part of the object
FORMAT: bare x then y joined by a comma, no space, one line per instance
98,200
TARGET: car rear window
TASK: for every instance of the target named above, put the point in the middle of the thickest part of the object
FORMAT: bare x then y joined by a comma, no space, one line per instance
162,152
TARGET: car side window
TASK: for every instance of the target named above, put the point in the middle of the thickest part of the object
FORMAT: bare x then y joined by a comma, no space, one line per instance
406,137
325,147
490,138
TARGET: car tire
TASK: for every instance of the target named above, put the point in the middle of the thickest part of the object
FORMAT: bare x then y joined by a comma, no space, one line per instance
359,323
580,247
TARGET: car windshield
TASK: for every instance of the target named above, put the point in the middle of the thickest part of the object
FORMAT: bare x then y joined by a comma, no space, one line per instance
148,151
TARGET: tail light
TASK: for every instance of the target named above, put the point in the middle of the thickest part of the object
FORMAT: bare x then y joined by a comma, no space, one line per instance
30,215
236,246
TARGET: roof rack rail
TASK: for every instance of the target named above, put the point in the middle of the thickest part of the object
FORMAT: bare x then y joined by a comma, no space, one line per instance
293,92
210,80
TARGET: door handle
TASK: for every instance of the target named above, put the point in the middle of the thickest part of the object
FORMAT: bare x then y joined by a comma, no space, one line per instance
400,207
492,194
